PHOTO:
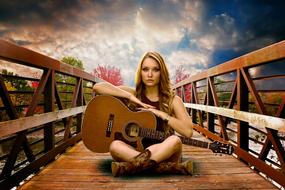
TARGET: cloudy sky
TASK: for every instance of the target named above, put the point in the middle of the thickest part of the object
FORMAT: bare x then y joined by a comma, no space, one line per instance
197,34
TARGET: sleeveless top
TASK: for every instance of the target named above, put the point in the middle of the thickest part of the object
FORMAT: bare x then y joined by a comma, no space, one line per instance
159,122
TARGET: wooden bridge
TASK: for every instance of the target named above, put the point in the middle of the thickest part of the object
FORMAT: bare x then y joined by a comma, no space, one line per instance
240,101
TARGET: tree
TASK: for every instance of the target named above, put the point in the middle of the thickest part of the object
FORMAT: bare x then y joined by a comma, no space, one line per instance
109,74
180,76
70,61
66,83
73,61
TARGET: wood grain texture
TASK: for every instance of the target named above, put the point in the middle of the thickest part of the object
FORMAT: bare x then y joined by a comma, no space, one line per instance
80,168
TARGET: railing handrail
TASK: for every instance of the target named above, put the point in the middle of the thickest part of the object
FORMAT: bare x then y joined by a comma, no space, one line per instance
21,55
56,129
205,101
24,123
254,119
24,56
270,53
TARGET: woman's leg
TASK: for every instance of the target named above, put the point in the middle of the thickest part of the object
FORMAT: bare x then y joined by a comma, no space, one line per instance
168,155
122,152
169,150
129,160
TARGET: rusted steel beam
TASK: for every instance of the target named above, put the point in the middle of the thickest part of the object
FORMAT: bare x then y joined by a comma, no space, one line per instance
49,106
76,91
233,96
242,105
244,86
24,123
16,178
57,97
281,109
12,113
250,85
232,101
21,139
79,102
196,100
12,157
275,142
38,92
207,133
47,86
18,54
266,54
223,131
210,101
276,175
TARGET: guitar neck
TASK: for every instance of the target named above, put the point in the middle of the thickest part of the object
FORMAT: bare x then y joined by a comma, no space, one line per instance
158,135
194,142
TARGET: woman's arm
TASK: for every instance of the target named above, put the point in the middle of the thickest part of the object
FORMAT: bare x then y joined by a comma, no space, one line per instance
118,91
110,89
181,121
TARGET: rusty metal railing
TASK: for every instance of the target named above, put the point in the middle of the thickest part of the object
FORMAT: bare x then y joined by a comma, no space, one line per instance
242,101
40,115
39,123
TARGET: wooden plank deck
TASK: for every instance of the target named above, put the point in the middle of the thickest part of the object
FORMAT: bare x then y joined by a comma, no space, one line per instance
80,168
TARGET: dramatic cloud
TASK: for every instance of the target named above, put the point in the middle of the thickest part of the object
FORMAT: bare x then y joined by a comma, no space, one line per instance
196,34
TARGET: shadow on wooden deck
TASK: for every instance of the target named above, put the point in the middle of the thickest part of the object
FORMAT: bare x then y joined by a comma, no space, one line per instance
80,168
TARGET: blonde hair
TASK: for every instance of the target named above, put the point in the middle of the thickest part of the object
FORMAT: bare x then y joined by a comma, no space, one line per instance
165,92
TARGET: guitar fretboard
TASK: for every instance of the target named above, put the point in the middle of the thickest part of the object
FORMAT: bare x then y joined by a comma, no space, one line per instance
158,135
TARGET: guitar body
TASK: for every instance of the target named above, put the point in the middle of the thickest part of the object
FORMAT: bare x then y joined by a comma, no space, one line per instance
106,119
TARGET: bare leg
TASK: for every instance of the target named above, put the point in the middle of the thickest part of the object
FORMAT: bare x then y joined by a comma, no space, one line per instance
169,150
122,152
168,156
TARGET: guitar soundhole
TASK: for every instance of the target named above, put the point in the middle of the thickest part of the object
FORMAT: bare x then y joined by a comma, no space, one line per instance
132,130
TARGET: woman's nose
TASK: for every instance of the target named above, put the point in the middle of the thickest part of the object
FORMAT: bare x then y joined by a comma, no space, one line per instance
149,73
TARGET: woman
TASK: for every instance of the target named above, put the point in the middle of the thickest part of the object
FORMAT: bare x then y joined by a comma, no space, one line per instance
153,93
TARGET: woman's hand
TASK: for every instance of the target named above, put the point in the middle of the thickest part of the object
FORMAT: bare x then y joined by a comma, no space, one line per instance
137,101
156,112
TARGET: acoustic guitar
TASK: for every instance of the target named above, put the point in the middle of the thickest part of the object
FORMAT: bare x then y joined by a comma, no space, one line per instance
107,118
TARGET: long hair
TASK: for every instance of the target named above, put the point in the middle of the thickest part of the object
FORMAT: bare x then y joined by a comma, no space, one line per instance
165,92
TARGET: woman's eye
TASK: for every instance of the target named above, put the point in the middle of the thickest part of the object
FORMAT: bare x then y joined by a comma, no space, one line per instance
145,69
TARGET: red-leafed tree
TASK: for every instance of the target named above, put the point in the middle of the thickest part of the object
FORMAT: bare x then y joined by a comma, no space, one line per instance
109,73
35,84
180,75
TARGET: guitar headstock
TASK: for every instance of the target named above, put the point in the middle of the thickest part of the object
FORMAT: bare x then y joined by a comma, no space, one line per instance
219,147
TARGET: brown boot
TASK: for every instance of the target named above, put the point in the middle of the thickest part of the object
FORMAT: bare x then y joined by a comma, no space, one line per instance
185,168
136,165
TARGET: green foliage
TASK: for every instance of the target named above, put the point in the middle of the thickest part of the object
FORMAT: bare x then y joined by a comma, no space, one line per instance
67,83
18,84
14,83
73,61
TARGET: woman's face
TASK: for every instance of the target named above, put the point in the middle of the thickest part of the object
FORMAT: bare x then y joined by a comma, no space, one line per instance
150,72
